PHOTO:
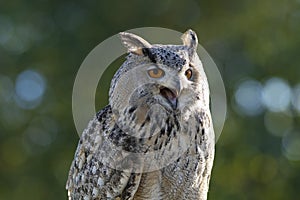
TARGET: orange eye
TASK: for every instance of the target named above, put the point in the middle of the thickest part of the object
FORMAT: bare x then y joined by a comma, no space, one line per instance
188,73
156,73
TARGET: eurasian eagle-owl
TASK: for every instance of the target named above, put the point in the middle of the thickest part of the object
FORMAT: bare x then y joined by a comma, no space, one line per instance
155,138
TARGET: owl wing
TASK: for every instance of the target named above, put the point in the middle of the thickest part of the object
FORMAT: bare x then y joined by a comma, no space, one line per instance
89,178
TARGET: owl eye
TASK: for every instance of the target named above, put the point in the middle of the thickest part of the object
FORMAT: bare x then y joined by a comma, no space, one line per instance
156,73
188,73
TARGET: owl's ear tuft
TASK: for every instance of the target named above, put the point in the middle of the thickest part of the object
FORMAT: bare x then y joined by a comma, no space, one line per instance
134,43
189,39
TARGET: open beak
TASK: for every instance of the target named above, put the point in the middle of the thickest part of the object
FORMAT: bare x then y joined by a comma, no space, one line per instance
171,94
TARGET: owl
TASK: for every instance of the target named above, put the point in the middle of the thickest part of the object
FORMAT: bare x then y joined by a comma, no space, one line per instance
155,138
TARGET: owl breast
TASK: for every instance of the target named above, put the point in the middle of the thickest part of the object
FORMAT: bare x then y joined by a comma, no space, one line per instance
184,170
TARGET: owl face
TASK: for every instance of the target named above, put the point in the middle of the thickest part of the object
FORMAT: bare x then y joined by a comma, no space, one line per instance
157,80
171,81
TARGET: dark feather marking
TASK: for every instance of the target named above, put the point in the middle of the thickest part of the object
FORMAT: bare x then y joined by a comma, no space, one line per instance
203,131
177,123
169,131
132,109
186,164
142,125
147,118
167,141
162,132
160,146
156,140
147,52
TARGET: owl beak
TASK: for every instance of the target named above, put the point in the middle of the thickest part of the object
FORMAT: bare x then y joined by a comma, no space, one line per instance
171,94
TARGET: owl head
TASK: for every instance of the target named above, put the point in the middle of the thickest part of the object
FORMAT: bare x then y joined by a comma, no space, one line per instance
158,80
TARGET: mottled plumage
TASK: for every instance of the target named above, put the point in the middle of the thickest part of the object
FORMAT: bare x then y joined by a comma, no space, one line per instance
155,139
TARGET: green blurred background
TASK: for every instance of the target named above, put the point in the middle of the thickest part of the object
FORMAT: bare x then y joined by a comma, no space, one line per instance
255,43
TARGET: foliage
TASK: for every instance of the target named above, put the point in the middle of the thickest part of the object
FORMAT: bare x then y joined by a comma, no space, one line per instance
257,155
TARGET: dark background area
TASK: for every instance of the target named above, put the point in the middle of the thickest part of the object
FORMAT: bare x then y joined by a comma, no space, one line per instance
255,44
